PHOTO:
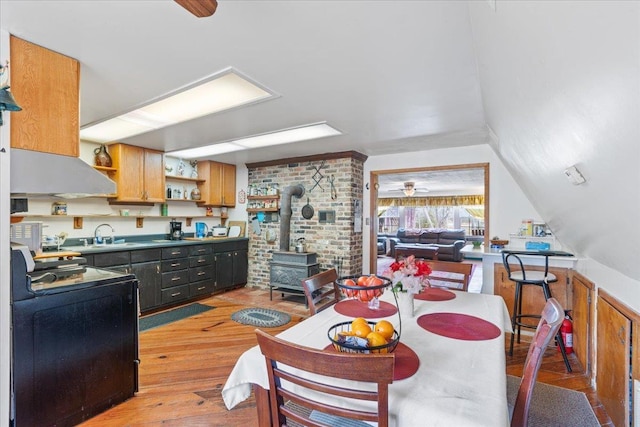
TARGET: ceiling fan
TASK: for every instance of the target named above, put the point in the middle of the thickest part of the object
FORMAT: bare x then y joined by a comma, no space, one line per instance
199,8
410,189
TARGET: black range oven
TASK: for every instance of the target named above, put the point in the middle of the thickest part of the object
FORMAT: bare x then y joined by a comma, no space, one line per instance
74,337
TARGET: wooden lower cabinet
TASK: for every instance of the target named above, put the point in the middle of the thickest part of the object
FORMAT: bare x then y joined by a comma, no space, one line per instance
582,314
532,297
175,274
231,264
145,265
612,361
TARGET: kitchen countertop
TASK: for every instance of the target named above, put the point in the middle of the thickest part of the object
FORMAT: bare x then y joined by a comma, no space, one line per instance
144,244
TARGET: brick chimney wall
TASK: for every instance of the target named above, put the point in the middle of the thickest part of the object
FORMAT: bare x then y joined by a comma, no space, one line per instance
333,243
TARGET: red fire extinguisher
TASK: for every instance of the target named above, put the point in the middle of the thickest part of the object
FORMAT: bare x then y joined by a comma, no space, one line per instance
566,330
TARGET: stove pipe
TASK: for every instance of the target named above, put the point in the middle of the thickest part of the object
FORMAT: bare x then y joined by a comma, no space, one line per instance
285,213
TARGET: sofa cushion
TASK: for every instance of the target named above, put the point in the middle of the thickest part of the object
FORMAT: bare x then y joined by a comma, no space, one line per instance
448,237
430,237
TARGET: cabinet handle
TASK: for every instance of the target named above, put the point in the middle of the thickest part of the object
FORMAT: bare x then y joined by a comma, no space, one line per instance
202,250
173,279
201,260
175,253
621,336
175,264
201,273
201,288
176,294
158,268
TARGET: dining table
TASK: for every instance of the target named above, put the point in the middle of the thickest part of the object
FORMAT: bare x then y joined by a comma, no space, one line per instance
450,366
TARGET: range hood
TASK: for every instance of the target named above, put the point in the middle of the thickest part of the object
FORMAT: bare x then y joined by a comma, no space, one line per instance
35,173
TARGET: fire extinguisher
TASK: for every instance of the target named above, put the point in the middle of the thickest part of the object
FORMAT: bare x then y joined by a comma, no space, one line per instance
566,330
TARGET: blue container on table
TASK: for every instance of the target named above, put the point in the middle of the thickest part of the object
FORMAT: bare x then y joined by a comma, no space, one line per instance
537,246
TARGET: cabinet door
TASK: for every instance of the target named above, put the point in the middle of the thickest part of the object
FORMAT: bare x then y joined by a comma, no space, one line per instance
150,280
153,176
220,186
129,175
228,174
46,84
224,270
612,361
240,267
582,314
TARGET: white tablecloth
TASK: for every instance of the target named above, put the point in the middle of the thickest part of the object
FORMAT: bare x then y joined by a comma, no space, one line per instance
459,383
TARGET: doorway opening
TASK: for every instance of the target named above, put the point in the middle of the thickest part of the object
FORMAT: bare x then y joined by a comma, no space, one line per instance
450,197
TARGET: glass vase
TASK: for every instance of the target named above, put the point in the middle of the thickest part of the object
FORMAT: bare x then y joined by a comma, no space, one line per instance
405,304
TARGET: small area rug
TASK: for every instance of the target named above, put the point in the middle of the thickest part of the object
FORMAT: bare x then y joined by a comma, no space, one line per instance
553,406
261,317
155,320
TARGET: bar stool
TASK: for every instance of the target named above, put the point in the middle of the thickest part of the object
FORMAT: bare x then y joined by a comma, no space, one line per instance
523,277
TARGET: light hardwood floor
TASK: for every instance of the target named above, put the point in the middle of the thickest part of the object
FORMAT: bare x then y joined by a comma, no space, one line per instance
185,364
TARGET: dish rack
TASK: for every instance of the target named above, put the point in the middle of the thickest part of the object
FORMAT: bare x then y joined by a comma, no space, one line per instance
29,234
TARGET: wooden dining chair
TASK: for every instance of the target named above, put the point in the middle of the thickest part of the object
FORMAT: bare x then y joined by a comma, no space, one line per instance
295,397
548,326
321,290
452,275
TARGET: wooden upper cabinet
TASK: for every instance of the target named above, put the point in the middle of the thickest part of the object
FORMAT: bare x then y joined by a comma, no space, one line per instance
219,188
46,85
139,174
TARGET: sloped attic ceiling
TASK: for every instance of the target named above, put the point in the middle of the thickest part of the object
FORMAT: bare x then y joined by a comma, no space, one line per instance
561,86
558,82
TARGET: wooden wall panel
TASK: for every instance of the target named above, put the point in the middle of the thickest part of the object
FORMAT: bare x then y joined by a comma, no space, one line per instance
583,313
613,349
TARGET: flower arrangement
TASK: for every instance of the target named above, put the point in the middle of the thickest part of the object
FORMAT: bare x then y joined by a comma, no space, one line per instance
408,275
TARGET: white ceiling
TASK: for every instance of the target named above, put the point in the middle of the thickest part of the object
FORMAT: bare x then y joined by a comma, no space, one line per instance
391,75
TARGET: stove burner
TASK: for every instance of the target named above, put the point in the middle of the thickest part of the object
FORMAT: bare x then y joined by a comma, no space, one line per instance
58,273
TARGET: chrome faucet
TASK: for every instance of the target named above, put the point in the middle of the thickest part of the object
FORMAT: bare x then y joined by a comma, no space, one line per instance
97,236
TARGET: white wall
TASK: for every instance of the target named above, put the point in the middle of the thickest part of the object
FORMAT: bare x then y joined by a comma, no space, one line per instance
508,206
561,86
98,210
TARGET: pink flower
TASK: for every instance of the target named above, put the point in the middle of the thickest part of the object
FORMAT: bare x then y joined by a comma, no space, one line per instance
408,274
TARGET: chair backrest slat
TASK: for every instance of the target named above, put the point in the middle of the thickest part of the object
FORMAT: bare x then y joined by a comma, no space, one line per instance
547,329
290,363
321,290
456,274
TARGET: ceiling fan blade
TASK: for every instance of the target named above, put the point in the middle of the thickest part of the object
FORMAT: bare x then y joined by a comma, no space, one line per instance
200,8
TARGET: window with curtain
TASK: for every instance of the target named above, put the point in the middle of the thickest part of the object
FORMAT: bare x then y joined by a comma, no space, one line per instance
432,212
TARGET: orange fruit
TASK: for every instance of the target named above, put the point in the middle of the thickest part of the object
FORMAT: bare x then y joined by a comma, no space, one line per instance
361,329
358,320
375,340
384,328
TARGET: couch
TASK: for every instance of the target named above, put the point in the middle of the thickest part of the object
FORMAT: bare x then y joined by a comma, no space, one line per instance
448,242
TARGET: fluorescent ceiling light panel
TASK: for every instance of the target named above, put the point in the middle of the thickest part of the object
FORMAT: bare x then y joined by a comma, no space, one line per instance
219,93
285,136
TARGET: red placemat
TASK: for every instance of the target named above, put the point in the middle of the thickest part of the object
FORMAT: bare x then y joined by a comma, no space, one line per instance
459,326
435,294
406,362
355,308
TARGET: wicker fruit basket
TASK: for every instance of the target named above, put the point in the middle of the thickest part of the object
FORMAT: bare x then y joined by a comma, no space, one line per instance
499,242
346,347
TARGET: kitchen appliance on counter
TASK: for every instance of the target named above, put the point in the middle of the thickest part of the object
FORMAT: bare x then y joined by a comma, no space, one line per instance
176,232
202,230
219,231
74,338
